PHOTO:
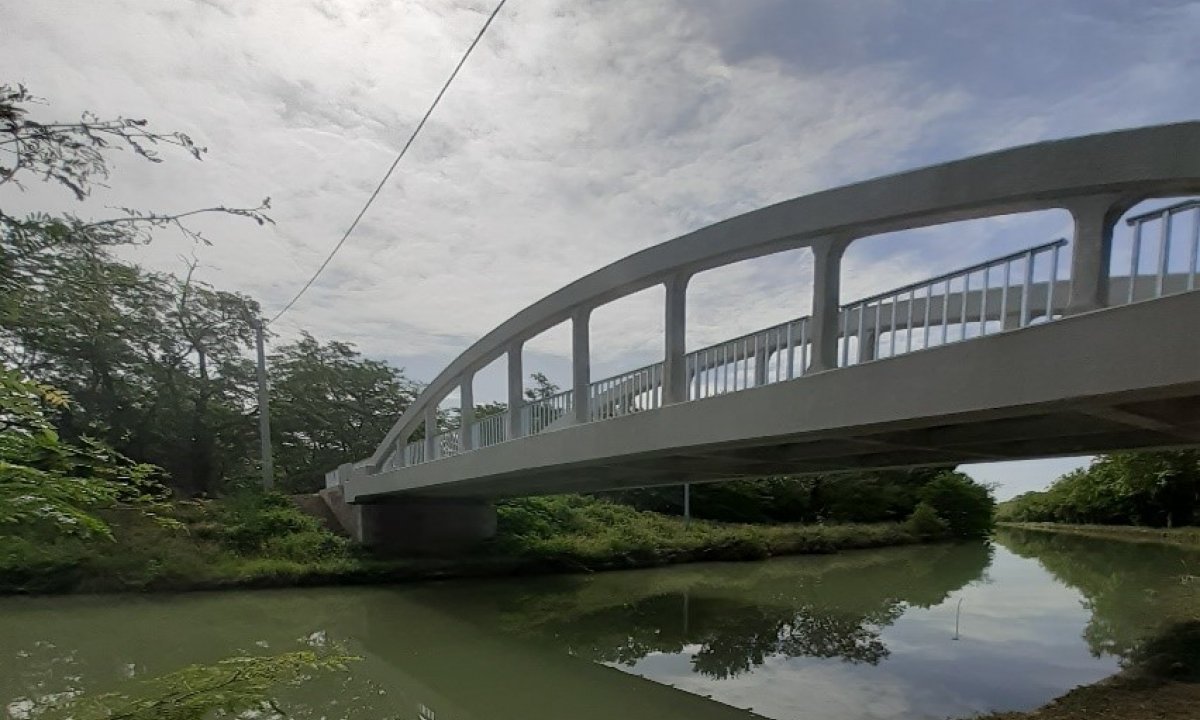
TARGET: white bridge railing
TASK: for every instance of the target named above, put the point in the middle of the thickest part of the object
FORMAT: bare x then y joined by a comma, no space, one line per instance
1005,293
1096,179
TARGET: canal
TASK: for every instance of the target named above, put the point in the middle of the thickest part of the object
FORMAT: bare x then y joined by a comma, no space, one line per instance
919,632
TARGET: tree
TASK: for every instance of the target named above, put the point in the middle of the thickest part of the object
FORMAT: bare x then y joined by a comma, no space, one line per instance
871,496
1140,488
330,405
155,364
967,507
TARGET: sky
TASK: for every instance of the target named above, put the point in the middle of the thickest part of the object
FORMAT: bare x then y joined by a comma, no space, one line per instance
580,131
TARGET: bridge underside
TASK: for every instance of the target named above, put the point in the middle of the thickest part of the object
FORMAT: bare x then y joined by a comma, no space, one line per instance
1120,378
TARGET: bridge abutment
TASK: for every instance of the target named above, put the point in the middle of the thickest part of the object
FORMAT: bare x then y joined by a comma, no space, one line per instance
415,525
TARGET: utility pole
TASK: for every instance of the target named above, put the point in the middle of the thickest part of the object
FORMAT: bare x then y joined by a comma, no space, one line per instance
264,410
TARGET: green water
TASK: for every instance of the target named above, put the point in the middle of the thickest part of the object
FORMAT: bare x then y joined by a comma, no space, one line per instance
928,632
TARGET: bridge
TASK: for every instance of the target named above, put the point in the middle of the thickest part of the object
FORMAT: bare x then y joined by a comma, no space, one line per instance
1053,350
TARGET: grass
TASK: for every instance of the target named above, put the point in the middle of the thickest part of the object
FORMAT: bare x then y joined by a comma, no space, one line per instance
256,541
1131,533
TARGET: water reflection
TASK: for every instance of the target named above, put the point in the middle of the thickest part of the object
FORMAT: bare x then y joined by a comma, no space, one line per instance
1131,589
865,635
804,607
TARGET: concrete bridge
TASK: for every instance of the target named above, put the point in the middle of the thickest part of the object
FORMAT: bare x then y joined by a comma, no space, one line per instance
1049,351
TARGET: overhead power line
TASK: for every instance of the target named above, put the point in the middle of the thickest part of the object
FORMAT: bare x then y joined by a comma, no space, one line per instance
416,131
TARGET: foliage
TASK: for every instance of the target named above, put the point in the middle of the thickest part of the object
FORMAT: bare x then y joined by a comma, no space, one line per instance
49,487
329,406
1160,489
598,533
241,686
272,526
925,522
248,539
966,506
861,497
155,364
71,154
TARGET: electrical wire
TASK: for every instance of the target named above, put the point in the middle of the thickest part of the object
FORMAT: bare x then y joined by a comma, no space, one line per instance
416,131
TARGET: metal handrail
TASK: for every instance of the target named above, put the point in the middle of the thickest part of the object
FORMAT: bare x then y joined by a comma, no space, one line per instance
1036,249
1157,212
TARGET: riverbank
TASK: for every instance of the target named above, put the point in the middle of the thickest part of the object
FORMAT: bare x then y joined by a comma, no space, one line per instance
1130,533
260,542
1161,679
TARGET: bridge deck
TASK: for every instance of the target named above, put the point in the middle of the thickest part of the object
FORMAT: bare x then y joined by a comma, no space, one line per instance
1061,388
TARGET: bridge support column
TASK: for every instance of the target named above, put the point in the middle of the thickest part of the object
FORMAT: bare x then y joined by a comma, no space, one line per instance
827,279
431,431
516,391
675,365
1091,251
466,412
581,365
415,526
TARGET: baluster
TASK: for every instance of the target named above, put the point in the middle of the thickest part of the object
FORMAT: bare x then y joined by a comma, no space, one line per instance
791,350
966,292
983,301
1134,256
779,354
1164,253
878,326
862,329
1193,270
892,328
908,330
1053,282
945,311
845,339
804,352
928,309
1028,283
1004,323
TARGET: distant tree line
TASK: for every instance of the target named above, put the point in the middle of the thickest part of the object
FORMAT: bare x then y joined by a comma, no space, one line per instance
1159,489
963,505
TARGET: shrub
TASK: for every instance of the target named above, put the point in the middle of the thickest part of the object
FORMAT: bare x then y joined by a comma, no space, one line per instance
306,547
925,522
251,520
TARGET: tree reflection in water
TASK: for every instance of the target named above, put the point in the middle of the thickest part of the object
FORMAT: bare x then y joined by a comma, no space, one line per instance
1133,590
806,607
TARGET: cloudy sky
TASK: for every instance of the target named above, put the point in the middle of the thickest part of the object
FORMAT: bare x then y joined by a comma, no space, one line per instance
580,131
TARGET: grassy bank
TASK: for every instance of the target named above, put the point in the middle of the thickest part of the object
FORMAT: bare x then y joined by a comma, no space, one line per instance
259,541
1130,533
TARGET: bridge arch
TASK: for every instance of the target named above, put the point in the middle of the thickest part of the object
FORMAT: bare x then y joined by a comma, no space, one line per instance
1095,178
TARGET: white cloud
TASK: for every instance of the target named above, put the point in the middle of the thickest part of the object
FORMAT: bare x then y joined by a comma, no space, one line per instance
580,131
